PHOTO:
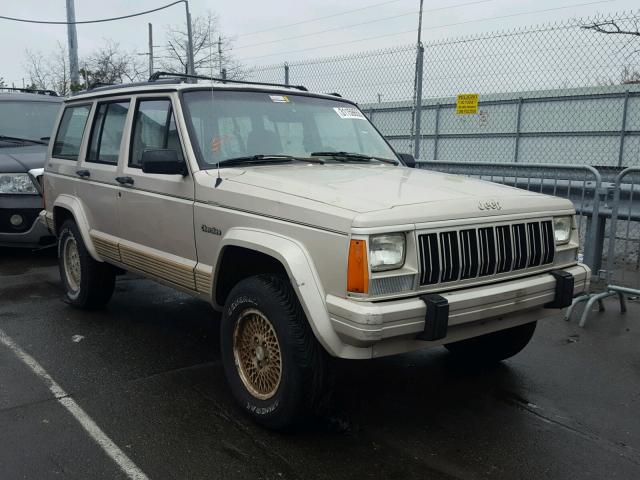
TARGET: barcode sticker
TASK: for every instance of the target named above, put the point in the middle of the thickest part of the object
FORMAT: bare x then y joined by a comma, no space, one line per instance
349,112
279,98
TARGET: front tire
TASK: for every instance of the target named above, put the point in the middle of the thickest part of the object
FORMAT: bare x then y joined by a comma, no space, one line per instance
493,347
274,365
87,282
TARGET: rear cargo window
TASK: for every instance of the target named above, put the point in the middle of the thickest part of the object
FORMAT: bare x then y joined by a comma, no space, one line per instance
70,131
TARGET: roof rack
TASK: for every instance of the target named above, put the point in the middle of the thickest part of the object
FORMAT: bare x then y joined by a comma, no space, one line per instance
158,75
39,91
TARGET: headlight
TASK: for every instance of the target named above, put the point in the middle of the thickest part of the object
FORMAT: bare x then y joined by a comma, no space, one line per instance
16,183
562,229
386,251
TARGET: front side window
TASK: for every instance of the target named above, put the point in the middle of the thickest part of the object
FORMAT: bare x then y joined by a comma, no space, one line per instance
228,124
70,132
154,128
106,133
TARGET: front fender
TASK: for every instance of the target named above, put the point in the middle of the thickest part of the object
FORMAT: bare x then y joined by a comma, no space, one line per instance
73,205
303,276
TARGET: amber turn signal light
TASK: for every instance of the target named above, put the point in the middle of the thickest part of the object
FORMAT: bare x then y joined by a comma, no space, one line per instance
358,268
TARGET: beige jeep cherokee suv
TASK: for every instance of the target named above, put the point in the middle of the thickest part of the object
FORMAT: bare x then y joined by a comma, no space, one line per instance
290,213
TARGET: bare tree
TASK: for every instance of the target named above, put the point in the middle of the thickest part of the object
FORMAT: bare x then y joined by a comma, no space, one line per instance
211,49
110,64
611,27
49,71
107,64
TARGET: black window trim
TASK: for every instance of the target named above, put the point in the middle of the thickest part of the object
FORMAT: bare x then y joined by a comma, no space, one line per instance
84,131
170,114
93,125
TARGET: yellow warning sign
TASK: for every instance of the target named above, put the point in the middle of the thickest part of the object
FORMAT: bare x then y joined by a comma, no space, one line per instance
467,103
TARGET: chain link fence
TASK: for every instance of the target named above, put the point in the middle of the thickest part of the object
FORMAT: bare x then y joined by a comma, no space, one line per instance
564,93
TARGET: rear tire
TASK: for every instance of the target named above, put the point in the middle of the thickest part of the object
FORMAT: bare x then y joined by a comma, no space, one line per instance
88,283
493,347
275,367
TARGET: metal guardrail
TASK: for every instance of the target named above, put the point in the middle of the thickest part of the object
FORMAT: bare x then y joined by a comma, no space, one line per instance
582,184
622,273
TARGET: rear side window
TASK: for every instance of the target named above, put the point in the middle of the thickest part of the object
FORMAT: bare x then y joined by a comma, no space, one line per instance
154,128
70,131
106,133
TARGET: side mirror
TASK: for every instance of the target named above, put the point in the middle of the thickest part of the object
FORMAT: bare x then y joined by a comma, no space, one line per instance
164,162
408,159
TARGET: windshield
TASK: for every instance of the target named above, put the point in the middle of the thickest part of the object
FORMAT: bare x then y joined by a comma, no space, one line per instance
229,124
28,120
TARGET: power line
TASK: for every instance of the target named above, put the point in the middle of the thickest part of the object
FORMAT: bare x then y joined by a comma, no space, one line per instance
327,30
315,19
111,19
531,12
361,23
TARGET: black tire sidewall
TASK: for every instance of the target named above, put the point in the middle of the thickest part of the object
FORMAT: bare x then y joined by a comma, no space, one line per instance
279,410
69,229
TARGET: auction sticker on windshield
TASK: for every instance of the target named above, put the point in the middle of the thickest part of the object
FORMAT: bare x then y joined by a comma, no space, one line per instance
279,98
349,112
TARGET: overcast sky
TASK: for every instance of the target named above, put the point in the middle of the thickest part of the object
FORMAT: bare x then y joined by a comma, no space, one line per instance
240,19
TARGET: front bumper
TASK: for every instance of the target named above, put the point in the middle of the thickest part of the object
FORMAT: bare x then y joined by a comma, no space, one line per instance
33,233
393,326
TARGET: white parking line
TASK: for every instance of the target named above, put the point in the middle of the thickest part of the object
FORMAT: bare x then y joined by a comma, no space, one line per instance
111,449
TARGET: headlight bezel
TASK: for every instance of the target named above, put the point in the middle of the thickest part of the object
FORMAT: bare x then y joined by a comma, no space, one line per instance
21,179
400,237
566,229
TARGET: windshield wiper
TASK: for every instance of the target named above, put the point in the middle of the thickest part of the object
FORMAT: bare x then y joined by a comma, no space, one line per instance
22,140
356,157
257,159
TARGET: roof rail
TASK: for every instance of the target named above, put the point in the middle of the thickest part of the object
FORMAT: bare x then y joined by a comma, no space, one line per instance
184,76
39,91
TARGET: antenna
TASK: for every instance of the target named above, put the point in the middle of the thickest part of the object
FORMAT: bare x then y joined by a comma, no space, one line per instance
219,179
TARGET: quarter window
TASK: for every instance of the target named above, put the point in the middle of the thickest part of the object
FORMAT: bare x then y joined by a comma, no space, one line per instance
70,131
106,134
154,128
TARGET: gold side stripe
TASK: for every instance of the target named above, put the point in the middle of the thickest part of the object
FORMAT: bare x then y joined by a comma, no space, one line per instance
105,248
176,273
203,282
50,223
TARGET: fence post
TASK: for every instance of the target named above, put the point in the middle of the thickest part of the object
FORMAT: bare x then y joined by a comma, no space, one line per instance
623,127
417,133
286,73
594,236
436,132
517,139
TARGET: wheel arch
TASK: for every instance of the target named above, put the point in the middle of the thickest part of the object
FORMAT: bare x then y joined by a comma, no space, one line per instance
68,207
295,262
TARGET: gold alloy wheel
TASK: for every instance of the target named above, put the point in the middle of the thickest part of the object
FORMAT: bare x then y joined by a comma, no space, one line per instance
257,355
71,260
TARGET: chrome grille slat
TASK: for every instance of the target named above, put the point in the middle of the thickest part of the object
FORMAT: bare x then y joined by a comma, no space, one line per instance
451,255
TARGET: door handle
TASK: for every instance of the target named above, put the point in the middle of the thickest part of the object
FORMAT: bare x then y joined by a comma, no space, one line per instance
83,173
124,180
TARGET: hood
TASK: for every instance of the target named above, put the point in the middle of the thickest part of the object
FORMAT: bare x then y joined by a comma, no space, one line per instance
16,159
378,194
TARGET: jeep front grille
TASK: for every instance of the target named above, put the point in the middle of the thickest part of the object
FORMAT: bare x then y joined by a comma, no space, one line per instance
478,252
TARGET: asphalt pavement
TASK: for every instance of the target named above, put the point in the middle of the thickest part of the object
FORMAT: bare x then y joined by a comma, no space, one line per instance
146,370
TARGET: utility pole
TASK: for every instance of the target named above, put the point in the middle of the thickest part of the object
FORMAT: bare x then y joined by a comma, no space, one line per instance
416,123
150,49
190,62
72,39
220,54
